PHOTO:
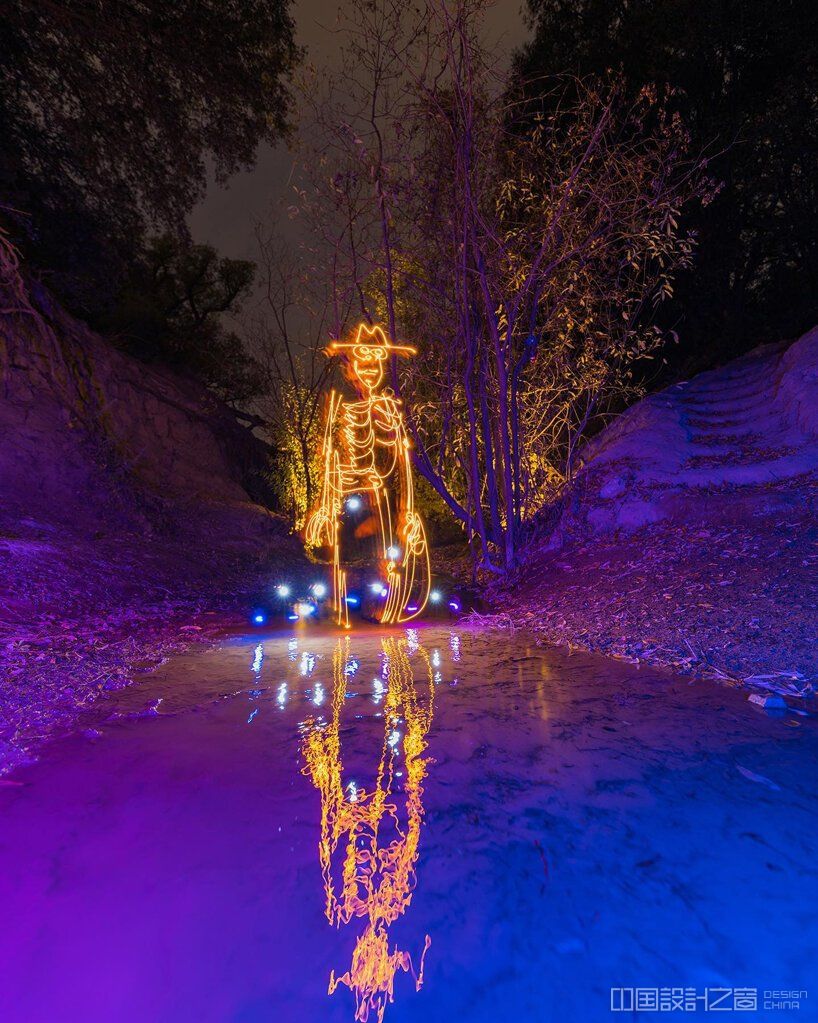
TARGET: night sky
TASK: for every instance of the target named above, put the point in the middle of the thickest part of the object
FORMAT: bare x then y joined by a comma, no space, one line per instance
227,215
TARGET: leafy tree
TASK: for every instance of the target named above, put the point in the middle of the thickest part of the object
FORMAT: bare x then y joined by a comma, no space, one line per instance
111,114
171,310
747,71
524,246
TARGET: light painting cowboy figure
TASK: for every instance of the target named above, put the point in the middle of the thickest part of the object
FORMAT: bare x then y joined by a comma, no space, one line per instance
366,455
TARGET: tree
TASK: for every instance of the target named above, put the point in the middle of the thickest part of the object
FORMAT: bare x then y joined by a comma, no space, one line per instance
523,246
112,113
745,74
171,310
288,333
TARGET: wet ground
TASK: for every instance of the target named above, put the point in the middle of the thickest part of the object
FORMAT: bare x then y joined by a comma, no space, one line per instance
486,829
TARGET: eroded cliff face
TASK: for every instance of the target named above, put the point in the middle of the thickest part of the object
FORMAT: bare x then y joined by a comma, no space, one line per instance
90,435
125,529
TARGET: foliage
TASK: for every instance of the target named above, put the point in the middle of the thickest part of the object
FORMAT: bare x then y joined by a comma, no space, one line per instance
287,336
171,310
523,246
112,114
745,78
298,449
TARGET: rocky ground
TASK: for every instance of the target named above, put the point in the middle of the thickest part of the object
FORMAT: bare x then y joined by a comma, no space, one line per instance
690,538
734,602
82,614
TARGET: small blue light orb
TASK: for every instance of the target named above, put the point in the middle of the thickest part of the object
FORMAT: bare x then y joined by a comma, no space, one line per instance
354,503
259,617
435,596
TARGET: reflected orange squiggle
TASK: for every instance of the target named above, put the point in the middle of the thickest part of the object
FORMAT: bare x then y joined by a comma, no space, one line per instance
377,878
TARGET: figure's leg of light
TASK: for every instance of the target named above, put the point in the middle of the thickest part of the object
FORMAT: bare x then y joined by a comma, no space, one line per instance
377,492
343,610
338,580
391,605
390,532
339,587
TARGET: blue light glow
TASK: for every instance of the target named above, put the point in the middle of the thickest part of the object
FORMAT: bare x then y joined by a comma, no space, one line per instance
283,591
435,597
259,618
353,600
319,590
354,503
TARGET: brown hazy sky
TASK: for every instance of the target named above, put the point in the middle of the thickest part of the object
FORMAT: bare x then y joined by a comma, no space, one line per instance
226,217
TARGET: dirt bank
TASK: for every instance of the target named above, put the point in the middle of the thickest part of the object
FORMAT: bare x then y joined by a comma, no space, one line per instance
690,538
126,523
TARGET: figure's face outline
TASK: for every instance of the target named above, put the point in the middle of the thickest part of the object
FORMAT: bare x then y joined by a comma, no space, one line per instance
367,365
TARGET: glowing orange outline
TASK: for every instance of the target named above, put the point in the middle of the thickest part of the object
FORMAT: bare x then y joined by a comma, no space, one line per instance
354,435
376,879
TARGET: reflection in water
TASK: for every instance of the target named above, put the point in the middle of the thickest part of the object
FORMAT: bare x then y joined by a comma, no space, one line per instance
376,843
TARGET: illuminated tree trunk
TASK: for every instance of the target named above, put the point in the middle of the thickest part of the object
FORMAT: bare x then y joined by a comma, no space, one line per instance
522,247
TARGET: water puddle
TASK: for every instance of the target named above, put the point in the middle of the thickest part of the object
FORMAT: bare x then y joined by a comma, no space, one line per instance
419,824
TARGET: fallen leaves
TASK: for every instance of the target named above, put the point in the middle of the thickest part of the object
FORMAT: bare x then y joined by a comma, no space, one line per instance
699,601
